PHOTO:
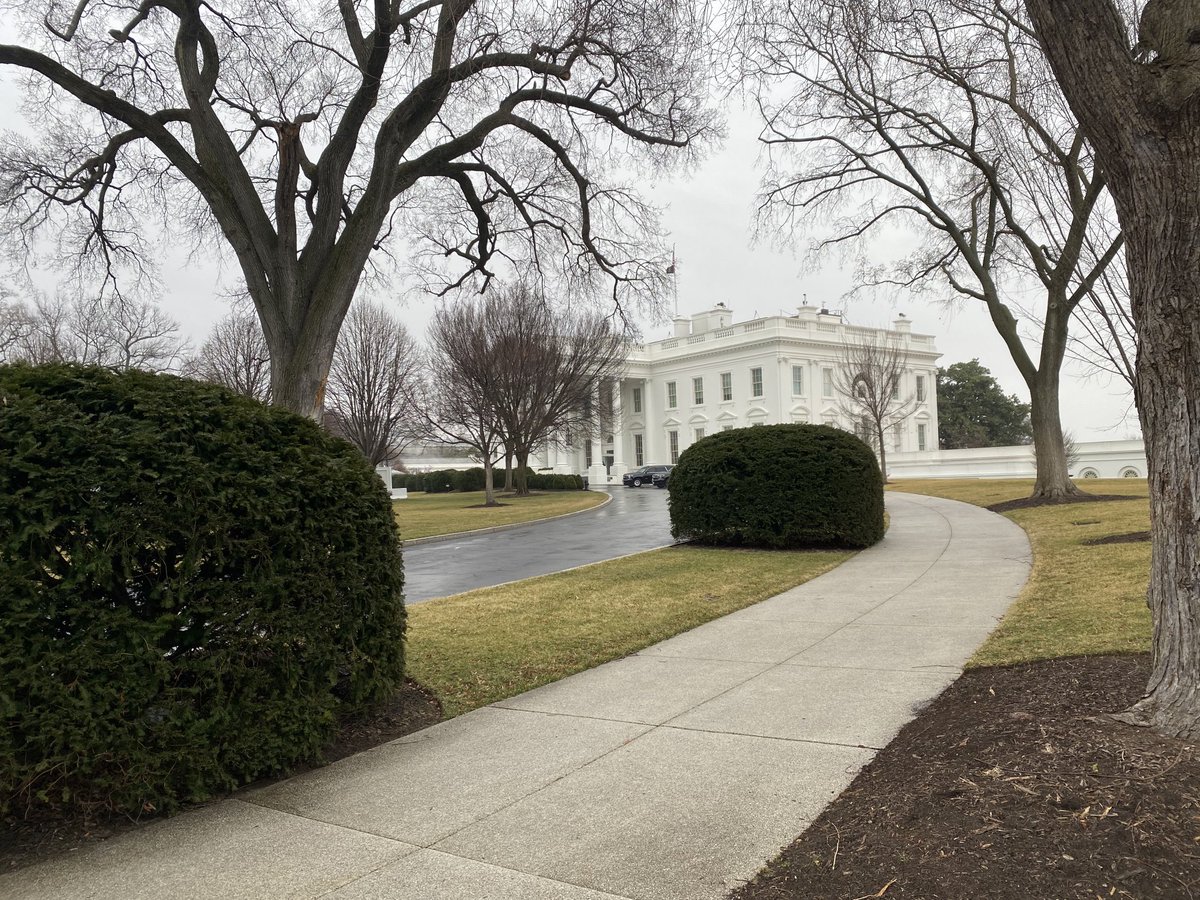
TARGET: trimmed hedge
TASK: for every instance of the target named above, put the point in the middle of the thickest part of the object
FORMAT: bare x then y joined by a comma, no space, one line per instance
443,481
778,486
194,587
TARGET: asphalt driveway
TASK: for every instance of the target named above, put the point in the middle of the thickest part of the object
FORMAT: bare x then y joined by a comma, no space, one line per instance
634,521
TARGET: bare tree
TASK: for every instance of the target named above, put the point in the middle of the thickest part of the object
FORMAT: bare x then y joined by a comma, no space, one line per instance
310,135
553,365
1138,104
372,384
114,331
458,401
870,387
235,355
14,327
939,118
1104,338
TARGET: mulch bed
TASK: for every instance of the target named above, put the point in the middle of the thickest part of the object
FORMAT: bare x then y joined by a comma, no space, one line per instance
1033,502
23,842
1012,784
1130,537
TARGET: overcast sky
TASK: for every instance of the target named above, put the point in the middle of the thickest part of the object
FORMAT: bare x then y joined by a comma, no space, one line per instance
709,215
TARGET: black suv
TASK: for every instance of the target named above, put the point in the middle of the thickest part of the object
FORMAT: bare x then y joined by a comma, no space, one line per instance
643,475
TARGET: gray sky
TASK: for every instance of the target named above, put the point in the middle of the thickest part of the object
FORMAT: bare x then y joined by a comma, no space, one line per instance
709,215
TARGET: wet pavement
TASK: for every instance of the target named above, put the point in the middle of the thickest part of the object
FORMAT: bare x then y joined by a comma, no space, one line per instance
635,520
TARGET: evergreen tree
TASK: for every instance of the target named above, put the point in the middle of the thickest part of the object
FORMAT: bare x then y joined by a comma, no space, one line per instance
973,410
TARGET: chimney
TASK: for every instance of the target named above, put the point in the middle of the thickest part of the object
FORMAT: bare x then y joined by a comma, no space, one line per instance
902,325
711,319
683,326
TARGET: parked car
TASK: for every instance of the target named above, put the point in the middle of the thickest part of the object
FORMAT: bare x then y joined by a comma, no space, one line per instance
643,475
660,479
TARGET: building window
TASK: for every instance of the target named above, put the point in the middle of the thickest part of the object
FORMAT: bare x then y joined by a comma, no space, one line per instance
896,389
587,452
727,428
639,448
921,389
673,443
897,438
920,437
672,399
699,434
797,380
637,400
726,385
827,383
756,387
698,390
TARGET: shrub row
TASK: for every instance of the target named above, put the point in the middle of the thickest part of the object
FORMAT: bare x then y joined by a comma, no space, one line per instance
778,486
444,481
177,616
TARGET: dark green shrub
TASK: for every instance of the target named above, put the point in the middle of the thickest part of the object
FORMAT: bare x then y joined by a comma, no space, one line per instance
778,486
549,481
441,481
471,479
414,482
398,480
192,587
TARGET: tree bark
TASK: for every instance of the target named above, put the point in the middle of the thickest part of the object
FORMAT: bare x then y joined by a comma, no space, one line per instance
1144,122
521,481
1164,263
882,452
1049,448
508,469
489,490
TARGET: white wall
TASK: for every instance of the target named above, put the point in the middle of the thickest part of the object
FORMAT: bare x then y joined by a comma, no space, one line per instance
1097,459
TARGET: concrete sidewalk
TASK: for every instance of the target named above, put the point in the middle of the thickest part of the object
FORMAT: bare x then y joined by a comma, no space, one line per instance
673,773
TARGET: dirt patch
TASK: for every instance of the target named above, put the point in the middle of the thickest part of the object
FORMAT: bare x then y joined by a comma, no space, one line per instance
1011,785
1131,537
485,506
23,842
1033,502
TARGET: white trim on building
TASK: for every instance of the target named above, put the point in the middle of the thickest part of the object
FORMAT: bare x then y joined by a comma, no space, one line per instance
758,365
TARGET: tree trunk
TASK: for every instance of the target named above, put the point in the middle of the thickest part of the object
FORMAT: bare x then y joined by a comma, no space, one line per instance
1164,262
489,490
1049,448
882,452
1144,122
298,378
521,482
508,469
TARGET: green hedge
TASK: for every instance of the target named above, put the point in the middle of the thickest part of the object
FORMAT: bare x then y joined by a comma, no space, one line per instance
443,481
195,586
778,486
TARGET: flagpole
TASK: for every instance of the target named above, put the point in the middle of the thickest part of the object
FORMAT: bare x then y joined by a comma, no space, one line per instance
674,281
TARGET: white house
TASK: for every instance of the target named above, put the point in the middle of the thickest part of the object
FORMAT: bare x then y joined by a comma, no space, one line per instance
716,374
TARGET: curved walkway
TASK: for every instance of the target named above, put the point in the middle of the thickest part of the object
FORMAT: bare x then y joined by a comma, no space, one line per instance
673,773
635,521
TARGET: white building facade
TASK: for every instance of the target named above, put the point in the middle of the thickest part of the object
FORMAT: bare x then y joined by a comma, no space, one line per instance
715,374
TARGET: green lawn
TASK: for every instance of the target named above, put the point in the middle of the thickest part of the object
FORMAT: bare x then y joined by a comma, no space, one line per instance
482,646
425,515
1080,599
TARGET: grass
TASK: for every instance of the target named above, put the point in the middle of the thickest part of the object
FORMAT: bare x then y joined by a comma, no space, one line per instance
482,646
1080,600
426,515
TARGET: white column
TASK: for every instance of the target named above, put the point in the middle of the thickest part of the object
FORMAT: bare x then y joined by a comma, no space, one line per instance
618,426
654,439
596,472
